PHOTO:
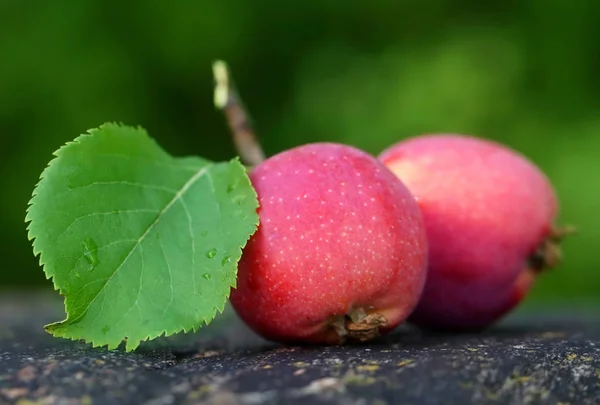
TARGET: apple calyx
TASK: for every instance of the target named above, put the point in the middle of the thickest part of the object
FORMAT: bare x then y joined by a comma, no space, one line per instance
358,326
549,254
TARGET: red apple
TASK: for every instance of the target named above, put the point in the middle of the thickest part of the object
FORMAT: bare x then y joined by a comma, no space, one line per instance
489,214
340,253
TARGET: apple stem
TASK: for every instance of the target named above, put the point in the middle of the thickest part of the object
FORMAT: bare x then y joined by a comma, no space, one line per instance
227,99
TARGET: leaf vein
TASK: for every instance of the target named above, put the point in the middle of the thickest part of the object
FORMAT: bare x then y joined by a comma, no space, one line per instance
147,160
125,183
100,248
189,218
212,185
162,249
141,210
137,296
176,197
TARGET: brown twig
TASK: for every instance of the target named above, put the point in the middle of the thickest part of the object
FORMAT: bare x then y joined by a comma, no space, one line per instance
228,100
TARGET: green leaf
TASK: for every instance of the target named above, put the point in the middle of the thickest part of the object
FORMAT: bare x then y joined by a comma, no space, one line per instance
139,243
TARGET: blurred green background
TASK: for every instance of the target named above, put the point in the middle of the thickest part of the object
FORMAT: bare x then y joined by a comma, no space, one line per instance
525,73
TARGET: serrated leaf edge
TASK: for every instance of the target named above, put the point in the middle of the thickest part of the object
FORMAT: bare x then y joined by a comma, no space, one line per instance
130,345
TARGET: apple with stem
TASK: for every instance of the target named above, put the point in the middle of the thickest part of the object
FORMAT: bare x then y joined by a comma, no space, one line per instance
340,253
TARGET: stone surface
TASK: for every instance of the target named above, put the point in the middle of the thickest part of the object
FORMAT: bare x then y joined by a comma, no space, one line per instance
526,359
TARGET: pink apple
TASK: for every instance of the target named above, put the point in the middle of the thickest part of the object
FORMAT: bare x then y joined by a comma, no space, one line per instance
489,214
340,253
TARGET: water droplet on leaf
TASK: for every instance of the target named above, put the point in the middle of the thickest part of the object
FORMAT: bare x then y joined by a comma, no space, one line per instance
90,253
203,233
211,253
239,199
206,276
225,260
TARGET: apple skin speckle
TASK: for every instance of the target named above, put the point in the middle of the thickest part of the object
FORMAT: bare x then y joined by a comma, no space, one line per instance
486,210
338,231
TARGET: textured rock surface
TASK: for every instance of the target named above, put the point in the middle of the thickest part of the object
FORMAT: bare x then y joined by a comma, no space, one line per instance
525,360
